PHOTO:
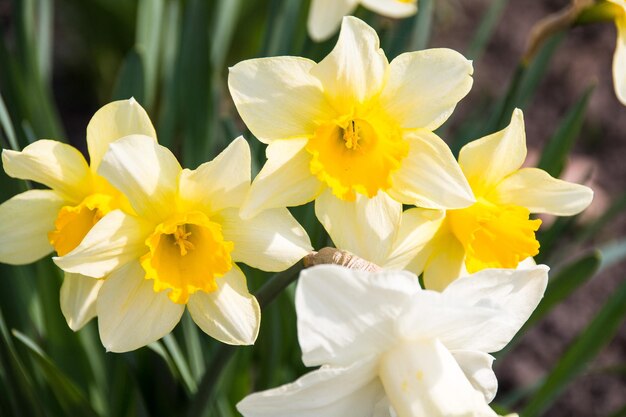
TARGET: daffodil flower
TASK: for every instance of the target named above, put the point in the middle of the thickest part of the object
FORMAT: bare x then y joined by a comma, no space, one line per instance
37,222
325,15
496,231
353,124
392,349
619,58
181,247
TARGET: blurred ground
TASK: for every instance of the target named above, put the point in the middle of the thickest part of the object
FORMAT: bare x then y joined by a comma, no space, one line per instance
584,58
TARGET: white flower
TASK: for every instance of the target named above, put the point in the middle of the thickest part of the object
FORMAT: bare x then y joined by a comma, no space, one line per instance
388,348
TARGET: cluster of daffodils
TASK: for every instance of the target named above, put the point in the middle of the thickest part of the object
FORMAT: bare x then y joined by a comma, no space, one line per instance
140,238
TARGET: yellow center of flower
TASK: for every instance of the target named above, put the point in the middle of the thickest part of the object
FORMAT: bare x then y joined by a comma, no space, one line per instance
357,155
494,236
187,253
74,222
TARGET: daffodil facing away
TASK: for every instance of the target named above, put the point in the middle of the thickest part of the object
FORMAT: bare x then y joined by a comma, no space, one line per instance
353,124
619,58
391,349
325,15
497,231
180,248
37,222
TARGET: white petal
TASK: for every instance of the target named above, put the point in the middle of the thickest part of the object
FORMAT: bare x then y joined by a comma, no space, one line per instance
25,221
327,392
355,70
365,227
270,241
277,97
430,176
284,181
112,242
619,61
417,228
144,171
392,8
345,314
78,299
57,165
230,314
446,261
477,368
536,190
425,86
130,313
220,183
325,17
486,161
112,122
422,378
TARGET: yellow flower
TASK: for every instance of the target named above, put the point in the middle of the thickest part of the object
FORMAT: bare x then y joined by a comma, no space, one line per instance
353,124
180,248
325,15
496,231
619,58
36,222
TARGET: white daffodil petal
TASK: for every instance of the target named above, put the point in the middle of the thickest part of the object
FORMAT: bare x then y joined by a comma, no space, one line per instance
284,181
328,392
430,176
345,314
425,86
477,368
25,221
220,183
446,261
515,292
54,164
277,97
355,225
421,378
130,313
355,70
325,17
619,59
486,161
392,8
115,240
417,229
271,241
230,314
144,171
536,190
112,122
78,299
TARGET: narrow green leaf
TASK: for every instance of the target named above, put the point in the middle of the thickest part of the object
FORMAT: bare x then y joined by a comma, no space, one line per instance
612,253
617,207
181,364
44,38
584,349
487,25
421,33
7,126
554,156
148,41
224,26
194,347
131,78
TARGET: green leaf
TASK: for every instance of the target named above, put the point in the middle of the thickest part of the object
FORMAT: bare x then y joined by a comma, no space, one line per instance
180,362
584,349
612,253
148,41
7,126
423,26
487,25
130,79
69,396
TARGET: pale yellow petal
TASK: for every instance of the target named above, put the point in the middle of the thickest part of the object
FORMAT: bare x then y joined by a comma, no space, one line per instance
278,98
446,261
487,161
425,86
270,241
365,227
54,164
619,59
430,176
284,181
325,17
145,172
220,183
78,299
536,190
130,313
355,70
231,314
115,240
25,221
392,8
112,122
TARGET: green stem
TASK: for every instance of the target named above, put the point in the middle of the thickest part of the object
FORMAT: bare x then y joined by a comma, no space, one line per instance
265,295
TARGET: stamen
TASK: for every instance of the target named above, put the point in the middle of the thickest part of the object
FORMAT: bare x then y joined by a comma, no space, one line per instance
181,235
